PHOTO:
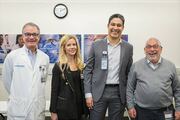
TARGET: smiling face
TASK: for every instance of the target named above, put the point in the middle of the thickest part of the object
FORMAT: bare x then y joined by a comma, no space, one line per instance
153,50
71,47
115,28
31,37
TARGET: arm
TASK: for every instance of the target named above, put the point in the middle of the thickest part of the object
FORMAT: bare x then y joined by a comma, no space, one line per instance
131,86
176,92
54,116
88,71
132,112
47,68
54,88
7,72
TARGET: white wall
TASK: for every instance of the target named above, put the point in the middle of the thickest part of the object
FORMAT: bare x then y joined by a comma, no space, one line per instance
144,18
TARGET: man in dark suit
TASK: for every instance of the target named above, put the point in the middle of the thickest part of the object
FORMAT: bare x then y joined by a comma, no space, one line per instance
106,71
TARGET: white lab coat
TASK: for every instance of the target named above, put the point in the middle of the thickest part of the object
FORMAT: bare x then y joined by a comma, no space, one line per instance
24,85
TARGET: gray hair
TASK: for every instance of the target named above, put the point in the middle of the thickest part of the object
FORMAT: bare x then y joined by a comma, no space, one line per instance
31,24
155,39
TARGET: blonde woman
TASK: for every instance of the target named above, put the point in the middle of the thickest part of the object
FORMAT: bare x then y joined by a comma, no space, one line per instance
67,97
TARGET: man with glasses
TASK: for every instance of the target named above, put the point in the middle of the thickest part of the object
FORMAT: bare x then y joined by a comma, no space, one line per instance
24,77
152,84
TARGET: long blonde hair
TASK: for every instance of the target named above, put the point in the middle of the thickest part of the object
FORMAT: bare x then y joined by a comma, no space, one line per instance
63,60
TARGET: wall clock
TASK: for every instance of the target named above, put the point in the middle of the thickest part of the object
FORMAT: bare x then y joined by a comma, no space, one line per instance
60,10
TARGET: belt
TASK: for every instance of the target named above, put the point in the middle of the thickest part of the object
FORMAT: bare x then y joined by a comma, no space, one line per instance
112,85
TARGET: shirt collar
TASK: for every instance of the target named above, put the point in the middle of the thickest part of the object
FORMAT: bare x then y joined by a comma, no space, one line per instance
148,61
120,41
29,51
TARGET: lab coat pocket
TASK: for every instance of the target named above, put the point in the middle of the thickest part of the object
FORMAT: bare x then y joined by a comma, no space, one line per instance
40,107
17,107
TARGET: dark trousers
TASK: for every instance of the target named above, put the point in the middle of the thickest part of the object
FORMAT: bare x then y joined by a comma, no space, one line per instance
149,114
111,100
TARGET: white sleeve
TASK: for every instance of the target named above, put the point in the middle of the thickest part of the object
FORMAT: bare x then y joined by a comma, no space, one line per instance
7,71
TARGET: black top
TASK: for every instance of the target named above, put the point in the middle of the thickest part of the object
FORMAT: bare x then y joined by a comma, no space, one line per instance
78,91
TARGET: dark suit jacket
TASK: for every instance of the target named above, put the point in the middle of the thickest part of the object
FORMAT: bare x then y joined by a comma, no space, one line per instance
63,97
95,78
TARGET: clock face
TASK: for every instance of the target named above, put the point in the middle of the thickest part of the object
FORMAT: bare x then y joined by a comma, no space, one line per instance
60,10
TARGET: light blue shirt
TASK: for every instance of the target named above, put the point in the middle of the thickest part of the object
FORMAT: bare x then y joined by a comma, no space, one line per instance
113,63
32,56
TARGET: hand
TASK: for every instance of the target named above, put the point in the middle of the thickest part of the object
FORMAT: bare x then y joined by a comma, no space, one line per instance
177,115
132,112
54,116
89,102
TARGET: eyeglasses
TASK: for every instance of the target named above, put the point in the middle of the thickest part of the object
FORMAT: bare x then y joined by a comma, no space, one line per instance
152,46
31,34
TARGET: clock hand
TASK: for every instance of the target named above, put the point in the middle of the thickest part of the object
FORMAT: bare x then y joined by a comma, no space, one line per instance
62,9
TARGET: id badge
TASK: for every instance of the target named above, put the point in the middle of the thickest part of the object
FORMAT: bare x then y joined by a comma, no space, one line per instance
104,63
43,72
168,115
104,60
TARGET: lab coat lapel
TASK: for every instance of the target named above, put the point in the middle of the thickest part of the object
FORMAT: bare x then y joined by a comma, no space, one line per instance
26,59
36,69
37,62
